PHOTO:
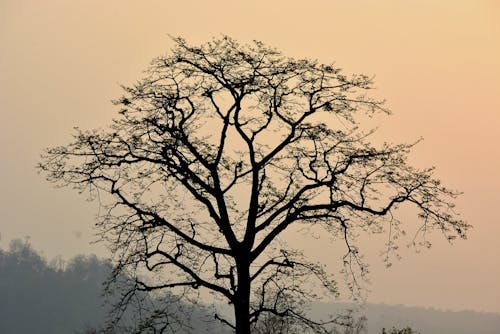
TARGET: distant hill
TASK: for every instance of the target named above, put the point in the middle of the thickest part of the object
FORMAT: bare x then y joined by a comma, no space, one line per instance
66,297
423,320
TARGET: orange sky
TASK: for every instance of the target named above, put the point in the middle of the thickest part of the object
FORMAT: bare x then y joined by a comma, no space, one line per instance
436,62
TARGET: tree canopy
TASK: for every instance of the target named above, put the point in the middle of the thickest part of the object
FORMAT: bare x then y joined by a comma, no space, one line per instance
222,147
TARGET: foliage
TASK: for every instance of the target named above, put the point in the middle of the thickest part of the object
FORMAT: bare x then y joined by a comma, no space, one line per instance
219,150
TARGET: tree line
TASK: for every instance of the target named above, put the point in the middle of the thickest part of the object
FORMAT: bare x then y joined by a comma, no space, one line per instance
57,296
61,297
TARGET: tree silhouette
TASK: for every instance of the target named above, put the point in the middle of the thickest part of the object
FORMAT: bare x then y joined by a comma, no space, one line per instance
219,150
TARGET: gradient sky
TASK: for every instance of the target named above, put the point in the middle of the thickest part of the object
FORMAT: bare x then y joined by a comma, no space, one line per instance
436,62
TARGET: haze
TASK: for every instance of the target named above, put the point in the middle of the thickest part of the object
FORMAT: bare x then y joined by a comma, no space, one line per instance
436,63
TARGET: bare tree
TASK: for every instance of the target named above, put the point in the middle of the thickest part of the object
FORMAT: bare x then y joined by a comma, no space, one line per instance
219,150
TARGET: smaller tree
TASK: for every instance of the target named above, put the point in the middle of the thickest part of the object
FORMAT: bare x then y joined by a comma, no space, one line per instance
345,323
393,330
270,324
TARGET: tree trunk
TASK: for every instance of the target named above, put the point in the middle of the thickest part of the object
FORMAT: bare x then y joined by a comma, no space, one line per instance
242,300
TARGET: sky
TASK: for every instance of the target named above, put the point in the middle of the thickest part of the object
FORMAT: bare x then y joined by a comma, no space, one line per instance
437,63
